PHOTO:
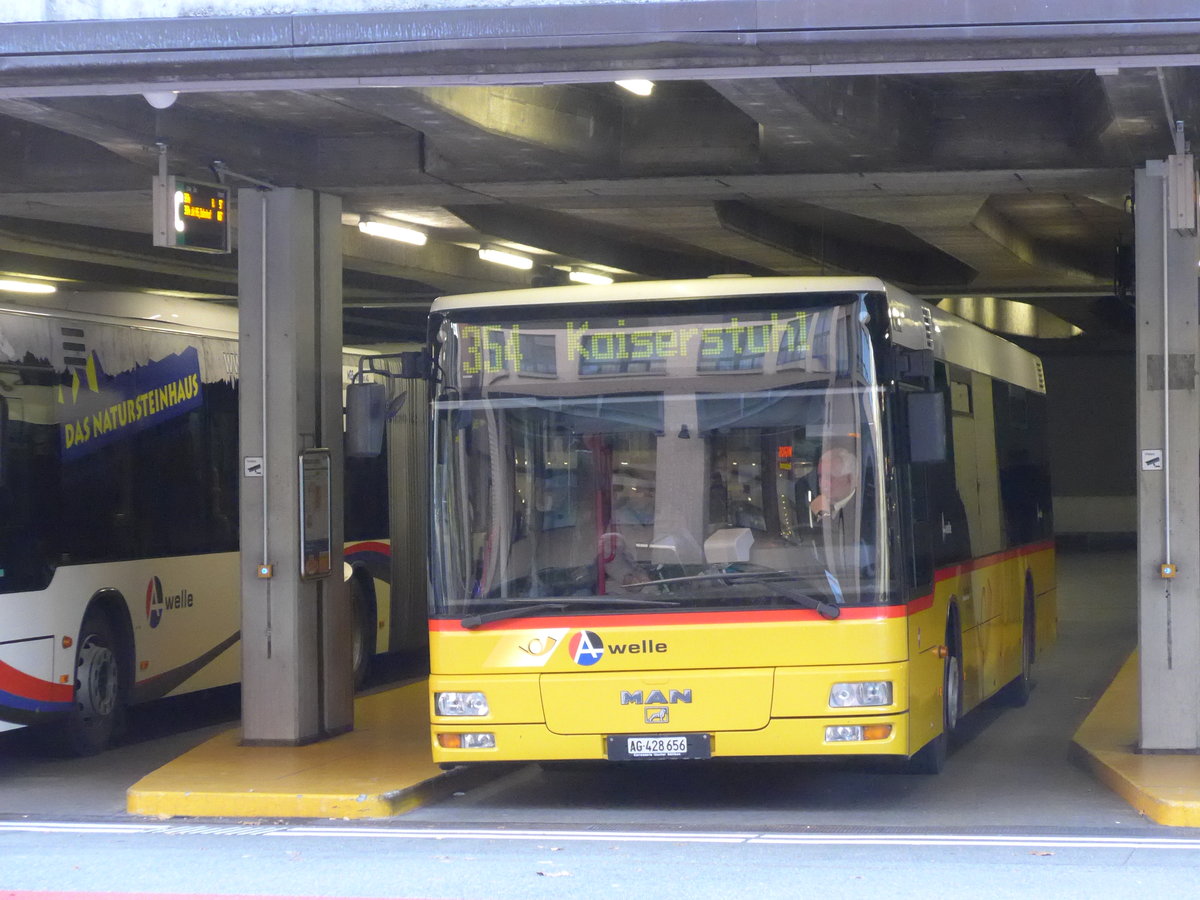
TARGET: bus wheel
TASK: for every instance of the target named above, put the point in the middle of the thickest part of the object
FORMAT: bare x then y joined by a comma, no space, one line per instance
931,759
99,695
362,632
1017,691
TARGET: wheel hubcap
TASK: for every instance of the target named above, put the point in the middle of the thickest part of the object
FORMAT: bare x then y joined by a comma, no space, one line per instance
96,688
952,690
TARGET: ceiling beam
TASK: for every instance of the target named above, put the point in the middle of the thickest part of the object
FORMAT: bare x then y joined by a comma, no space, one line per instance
841,251
473,132
130,129
1130,121
832,123
1040,254
579,240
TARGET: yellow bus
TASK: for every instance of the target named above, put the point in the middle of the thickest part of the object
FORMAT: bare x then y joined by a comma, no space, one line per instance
731,517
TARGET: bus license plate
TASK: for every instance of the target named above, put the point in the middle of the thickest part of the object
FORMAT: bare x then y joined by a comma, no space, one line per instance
659,746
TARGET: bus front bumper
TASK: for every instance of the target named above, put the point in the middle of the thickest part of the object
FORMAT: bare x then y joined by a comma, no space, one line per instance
781,737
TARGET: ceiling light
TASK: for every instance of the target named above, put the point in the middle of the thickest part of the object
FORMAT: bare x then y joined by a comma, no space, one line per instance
639,86
26,287
587,276
161,99
393,232
505,258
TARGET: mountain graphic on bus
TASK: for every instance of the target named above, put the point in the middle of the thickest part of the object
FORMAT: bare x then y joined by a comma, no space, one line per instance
105,408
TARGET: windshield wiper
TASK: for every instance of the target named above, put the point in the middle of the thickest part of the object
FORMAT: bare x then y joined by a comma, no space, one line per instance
774,580
516,612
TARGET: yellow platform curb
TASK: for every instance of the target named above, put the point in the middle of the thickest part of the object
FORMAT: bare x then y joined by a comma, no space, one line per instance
1163,787
382,768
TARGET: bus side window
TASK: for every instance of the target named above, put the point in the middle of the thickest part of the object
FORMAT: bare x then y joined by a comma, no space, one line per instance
926,427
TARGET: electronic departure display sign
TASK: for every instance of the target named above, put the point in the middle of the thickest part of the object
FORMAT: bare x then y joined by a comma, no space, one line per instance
191,215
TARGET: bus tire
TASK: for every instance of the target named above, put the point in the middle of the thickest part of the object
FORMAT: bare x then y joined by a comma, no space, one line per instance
1017,691
931,759
98,706
362,630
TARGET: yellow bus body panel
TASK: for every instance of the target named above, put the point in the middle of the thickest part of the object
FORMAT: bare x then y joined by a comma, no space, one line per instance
758,688
541,645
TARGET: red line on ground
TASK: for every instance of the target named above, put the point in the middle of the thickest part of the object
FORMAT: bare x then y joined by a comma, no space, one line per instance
119,895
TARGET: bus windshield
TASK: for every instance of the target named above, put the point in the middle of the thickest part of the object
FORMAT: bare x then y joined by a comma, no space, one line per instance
650,456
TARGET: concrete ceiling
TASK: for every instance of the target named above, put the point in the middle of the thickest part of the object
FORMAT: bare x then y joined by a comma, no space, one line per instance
1007,184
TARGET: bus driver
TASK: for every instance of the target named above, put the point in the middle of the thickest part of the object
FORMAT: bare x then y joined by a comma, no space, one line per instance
837,479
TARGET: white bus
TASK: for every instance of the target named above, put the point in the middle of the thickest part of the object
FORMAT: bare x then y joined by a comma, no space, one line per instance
119,472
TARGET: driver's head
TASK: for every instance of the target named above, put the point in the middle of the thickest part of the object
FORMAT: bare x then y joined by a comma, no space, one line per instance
837,473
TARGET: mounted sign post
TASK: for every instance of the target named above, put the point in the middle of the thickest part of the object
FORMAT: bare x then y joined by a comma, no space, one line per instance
191,215
316,521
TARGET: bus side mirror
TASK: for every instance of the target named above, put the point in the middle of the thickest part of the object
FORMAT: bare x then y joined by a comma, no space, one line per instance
366,415
926,428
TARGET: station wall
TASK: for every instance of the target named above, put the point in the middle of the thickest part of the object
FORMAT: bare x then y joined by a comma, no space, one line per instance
1092,400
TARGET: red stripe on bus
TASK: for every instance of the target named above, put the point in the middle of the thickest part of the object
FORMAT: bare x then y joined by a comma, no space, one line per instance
920,604
739,617
971,565
14,681
369,547
749,616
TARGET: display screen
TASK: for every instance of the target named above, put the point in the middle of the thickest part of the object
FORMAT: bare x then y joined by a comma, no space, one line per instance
493,349
196,216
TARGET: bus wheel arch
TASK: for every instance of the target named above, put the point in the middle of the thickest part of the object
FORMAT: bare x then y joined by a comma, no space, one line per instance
360,592
103,676
931,759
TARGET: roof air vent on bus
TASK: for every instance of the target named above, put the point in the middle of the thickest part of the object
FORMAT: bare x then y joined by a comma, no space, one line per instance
927,318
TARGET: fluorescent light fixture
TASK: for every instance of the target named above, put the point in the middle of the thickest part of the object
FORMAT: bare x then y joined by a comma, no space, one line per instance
505,258
639,86
26,287
587,276
392,232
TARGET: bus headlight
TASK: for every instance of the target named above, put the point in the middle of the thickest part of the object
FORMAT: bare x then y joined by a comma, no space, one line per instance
477,740
460,703
838,733
860,693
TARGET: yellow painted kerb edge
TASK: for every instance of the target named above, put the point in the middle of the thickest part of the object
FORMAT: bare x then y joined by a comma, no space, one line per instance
382,768
1163,787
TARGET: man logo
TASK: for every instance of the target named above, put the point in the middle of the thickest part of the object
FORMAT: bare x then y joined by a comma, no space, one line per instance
586,648
154,602
657,715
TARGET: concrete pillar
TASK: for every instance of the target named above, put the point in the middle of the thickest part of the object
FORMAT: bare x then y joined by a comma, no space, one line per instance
297,684
1168,430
